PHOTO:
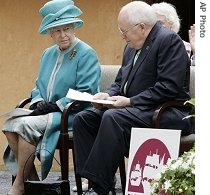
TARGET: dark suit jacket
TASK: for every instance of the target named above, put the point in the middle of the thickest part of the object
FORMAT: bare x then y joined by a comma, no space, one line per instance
161,73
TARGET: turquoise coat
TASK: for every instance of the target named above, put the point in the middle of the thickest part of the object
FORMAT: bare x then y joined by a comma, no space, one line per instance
78,69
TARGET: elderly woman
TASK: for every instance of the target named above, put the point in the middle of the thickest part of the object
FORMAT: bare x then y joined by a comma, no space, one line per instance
69,63
166,13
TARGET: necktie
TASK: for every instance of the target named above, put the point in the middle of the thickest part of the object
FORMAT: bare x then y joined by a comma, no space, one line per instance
134,61
136,57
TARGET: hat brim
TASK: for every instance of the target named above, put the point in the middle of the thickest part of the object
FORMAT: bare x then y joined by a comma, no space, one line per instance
78,23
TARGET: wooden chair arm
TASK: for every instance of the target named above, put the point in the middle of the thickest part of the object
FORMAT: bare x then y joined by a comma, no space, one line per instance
23,102
63,142
65,115
161,108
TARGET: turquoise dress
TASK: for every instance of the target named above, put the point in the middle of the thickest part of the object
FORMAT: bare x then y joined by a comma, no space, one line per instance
77,68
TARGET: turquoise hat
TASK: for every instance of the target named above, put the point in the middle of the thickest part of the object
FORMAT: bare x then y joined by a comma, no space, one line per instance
57,13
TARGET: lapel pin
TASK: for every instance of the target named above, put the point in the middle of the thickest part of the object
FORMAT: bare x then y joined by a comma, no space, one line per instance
73,54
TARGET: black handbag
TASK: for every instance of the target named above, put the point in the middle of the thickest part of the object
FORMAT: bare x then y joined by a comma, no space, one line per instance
46,187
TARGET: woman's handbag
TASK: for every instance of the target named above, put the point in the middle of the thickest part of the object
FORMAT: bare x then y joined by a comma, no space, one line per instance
48,187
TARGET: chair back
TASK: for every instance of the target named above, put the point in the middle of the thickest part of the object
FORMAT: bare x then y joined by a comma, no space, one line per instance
108,74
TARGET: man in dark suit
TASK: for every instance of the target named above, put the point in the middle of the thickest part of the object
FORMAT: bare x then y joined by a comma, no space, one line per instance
155,69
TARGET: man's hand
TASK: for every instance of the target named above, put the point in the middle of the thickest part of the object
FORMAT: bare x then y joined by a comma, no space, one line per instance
191,34
119,102
100,96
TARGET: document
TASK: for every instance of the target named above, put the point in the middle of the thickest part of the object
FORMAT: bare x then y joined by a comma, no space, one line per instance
83,96
16,112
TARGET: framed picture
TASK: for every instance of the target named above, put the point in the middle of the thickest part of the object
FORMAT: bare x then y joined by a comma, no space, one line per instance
150,149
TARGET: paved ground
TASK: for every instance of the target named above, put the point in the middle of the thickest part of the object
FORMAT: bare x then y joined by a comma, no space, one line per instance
5,182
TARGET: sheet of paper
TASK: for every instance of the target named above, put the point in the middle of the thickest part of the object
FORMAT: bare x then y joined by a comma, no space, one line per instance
83,96
16,112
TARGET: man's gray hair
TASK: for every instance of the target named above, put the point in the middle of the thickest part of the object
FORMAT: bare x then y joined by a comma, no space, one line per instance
139,11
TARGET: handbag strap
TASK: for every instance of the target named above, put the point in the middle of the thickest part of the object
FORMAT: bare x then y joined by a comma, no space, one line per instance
33,153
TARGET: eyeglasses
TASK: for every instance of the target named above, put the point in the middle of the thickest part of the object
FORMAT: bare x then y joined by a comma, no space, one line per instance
65,30
124,33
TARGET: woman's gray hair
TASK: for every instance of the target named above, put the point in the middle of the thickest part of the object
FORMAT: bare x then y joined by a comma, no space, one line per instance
48,31
169,11
139,11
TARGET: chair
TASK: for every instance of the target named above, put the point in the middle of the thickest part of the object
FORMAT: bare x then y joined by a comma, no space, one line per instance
187,142
65,142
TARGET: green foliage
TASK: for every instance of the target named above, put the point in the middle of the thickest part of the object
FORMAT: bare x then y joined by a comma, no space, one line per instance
192,102
178,176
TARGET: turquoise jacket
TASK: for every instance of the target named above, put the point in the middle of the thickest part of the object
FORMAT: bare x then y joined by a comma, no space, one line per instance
79,69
